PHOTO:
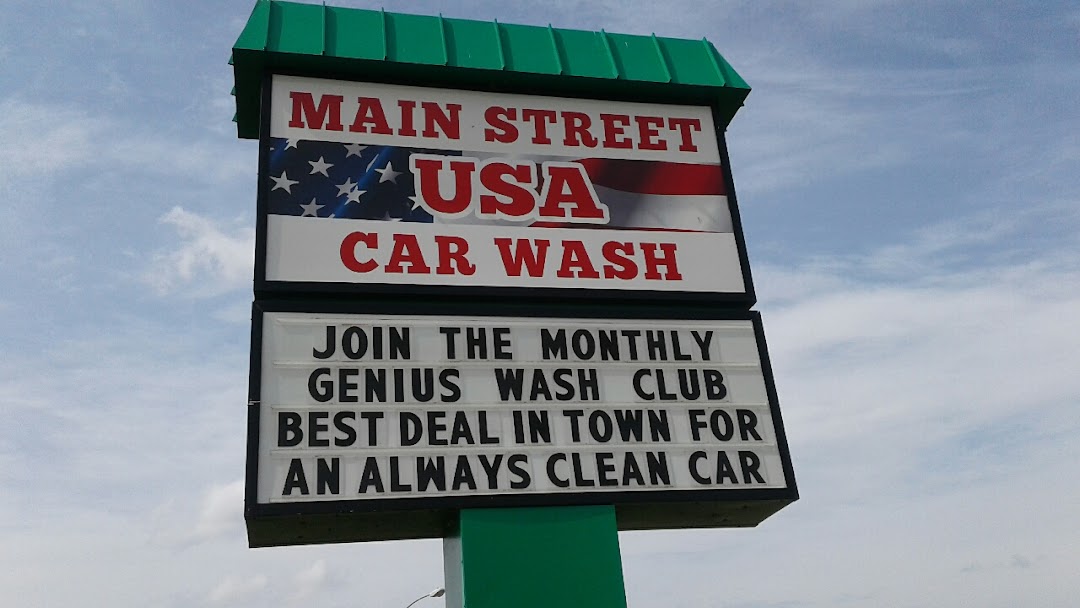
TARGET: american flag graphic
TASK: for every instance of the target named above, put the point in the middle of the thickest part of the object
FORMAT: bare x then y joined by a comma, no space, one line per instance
352,181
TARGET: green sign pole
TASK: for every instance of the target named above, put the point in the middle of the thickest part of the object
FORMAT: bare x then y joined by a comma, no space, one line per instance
561,557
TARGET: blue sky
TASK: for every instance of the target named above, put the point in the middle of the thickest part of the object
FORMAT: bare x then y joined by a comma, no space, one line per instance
907,175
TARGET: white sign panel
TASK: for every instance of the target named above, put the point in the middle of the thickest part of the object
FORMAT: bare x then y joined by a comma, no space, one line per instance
421,117
428,254
359,407
376,184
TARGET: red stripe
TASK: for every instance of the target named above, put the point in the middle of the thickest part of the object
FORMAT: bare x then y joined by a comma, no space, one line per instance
611,228
650,177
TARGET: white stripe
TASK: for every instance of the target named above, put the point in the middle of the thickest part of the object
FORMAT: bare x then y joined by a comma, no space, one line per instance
702,213
308,249
473,123
708,213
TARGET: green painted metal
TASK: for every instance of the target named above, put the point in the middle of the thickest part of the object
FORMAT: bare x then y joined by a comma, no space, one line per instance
585,54
355,34
469,44
319,40
296,28
415,39
565,557
639,58
529,49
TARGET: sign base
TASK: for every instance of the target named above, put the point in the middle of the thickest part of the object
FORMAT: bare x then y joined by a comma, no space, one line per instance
534,558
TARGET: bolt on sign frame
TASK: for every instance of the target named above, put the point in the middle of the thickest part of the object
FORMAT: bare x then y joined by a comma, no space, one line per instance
498,210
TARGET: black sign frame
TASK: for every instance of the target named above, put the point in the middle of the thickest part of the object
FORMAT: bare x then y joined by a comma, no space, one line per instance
403,518
265,288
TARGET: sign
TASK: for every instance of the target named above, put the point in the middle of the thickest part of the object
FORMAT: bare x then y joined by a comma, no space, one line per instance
369,412
389,188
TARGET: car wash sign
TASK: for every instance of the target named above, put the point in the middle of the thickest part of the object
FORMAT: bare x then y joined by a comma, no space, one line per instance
389,412
379,187
496,266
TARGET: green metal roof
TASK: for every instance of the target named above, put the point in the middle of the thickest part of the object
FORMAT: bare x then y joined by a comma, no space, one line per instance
327,41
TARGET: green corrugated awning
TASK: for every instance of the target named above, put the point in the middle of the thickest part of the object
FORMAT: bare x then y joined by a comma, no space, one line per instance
325,41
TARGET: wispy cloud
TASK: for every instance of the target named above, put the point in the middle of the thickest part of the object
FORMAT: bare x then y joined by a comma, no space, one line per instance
222,511
210,260
929,405
50,137
927,371
57,138
310,580
233,590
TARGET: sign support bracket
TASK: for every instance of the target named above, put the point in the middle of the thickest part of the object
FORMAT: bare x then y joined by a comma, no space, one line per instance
534,558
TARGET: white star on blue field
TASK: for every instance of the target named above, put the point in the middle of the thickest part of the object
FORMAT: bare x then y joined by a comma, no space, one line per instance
347,172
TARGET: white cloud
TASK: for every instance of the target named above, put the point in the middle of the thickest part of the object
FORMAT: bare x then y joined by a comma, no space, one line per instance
234,313
222,511
928,384
50,138
214,107
310,580
931,413
210,260
806,120
57,138
233,590
960,348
